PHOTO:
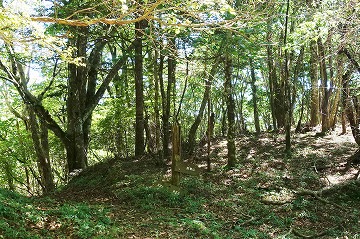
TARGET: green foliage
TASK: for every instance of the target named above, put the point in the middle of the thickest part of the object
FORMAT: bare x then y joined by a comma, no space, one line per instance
150,197
85,221
250,233
21,217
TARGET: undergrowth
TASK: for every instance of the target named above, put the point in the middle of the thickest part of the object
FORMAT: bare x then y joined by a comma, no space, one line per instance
22,217
257,199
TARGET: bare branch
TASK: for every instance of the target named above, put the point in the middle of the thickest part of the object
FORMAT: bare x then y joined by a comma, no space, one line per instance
85,22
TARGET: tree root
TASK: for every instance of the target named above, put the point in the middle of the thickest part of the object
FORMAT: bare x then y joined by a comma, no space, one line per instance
316,194
244,223
247,221
353,159
299,234
302,235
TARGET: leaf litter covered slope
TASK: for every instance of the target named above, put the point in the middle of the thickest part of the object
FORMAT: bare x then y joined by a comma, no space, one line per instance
266,196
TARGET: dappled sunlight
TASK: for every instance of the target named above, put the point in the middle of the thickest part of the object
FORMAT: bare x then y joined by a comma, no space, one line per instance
266,193
278,197
339,177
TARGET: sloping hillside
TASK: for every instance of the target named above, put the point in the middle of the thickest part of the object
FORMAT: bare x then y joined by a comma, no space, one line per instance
267,196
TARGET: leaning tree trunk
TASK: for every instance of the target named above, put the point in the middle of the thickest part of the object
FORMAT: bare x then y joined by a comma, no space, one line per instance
39,135
83,95
194,127
230,103
350,105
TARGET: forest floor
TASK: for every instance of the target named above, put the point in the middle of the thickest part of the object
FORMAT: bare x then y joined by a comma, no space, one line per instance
268,195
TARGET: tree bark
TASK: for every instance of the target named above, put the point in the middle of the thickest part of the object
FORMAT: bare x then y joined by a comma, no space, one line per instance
81,100
314,106
325,124
350,107
76,99
272,76
230,114
166,96
254,99
9,175
194,127
288,107
156,101
139,89
39,135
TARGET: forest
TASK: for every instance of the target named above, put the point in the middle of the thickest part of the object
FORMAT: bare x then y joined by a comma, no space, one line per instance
179,119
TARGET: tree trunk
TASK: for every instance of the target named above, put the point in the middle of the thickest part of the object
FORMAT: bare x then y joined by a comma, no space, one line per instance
76,148
166,96
39,135
314,107
139,90
156,101
164,116
230,114
297,70
9,175
224,125
176,154
350,107
194,127
254,99
325,126
272,77
298,126
336,91
120,85
288,109
83,95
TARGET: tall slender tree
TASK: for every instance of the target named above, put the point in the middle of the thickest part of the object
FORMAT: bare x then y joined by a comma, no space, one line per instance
230,103
314,106
254,99
139,88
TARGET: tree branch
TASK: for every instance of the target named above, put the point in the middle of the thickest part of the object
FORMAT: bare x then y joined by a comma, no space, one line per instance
84,22
29,98
349,56
94,101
